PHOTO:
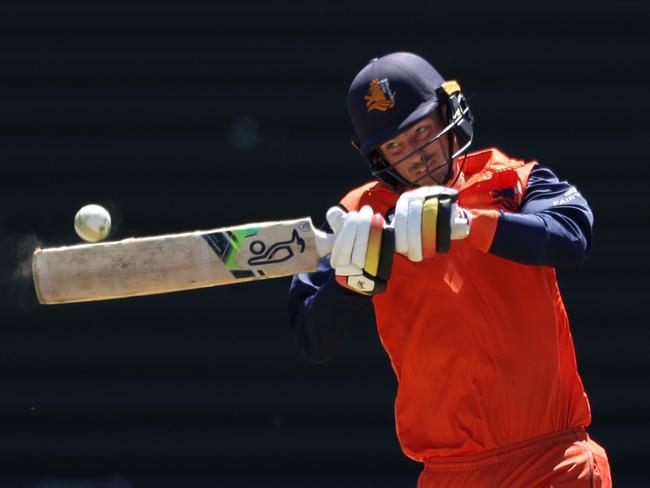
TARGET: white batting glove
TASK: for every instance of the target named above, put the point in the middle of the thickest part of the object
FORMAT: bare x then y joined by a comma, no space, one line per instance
426,220
362,254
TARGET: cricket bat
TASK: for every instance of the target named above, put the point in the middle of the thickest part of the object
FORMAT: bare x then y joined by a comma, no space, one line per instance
174,262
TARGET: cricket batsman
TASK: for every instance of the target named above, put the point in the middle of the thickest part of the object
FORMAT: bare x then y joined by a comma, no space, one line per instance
454,254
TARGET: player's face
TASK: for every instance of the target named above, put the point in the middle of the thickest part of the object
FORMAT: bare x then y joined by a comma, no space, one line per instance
416,156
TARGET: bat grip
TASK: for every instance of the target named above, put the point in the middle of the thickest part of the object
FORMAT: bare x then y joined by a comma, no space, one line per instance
324,242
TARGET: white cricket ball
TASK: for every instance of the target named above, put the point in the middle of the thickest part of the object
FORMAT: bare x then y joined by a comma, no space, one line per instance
92,223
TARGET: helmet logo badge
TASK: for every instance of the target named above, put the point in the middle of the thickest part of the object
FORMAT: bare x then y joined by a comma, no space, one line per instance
380,96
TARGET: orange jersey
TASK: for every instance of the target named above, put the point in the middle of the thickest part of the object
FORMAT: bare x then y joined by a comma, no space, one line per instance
480,345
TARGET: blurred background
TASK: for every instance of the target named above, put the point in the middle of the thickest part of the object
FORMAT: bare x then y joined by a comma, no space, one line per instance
193,115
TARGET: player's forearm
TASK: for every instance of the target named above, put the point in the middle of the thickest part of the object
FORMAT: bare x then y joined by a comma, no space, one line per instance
552,227
548,238
322,313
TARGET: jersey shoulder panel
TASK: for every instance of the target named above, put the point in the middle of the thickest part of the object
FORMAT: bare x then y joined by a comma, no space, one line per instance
373,193
490,159
495,181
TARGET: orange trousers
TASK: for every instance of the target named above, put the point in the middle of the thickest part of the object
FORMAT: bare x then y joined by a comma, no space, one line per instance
567,459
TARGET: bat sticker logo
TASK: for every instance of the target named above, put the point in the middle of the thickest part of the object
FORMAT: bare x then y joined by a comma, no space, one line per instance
226,246
277,252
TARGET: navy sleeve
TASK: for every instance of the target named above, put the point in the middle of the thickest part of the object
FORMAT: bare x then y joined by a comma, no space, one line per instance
552,228
322,313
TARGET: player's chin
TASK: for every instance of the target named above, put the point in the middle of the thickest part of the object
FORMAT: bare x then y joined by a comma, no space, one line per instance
434,179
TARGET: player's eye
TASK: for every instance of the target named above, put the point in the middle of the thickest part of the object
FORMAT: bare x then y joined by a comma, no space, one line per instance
423,131
392,146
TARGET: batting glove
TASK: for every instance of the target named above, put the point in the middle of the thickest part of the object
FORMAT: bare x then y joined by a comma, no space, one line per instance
362,254
426,220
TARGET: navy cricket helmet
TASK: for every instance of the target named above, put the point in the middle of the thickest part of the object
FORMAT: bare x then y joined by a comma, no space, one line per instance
393,92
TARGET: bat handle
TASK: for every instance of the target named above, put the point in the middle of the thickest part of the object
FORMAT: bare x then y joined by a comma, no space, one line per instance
324,242
460,228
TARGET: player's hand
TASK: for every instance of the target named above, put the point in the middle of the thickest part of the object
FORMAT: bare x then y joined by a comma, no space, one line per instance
426,220
362,254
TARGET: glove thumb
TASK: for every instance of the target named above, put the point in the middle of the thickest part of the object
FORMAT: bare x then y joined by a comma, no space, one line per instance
335,217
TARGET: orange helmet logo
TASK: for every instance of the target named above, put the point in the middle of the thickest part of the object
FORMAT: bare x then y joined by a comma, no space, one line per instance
380,96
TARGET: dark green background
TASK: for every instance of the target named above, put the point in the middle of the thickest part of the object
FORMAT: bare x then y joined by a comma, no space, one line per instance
182,116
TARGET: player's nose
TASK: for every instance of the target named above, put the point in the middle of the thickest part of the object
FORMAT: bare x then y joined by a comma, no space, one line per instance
418,156
418,164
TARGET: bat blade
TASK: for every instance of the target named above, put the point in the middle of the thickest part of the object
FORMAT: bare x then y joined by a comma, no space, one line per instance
174,262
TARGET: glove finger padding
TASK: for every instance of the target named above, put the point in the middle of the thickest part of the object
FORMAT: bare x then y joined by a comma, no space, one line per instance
386,255
362,253
414,230
373,285
345,241
360,250
400,223
429,227
443,225
423,222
